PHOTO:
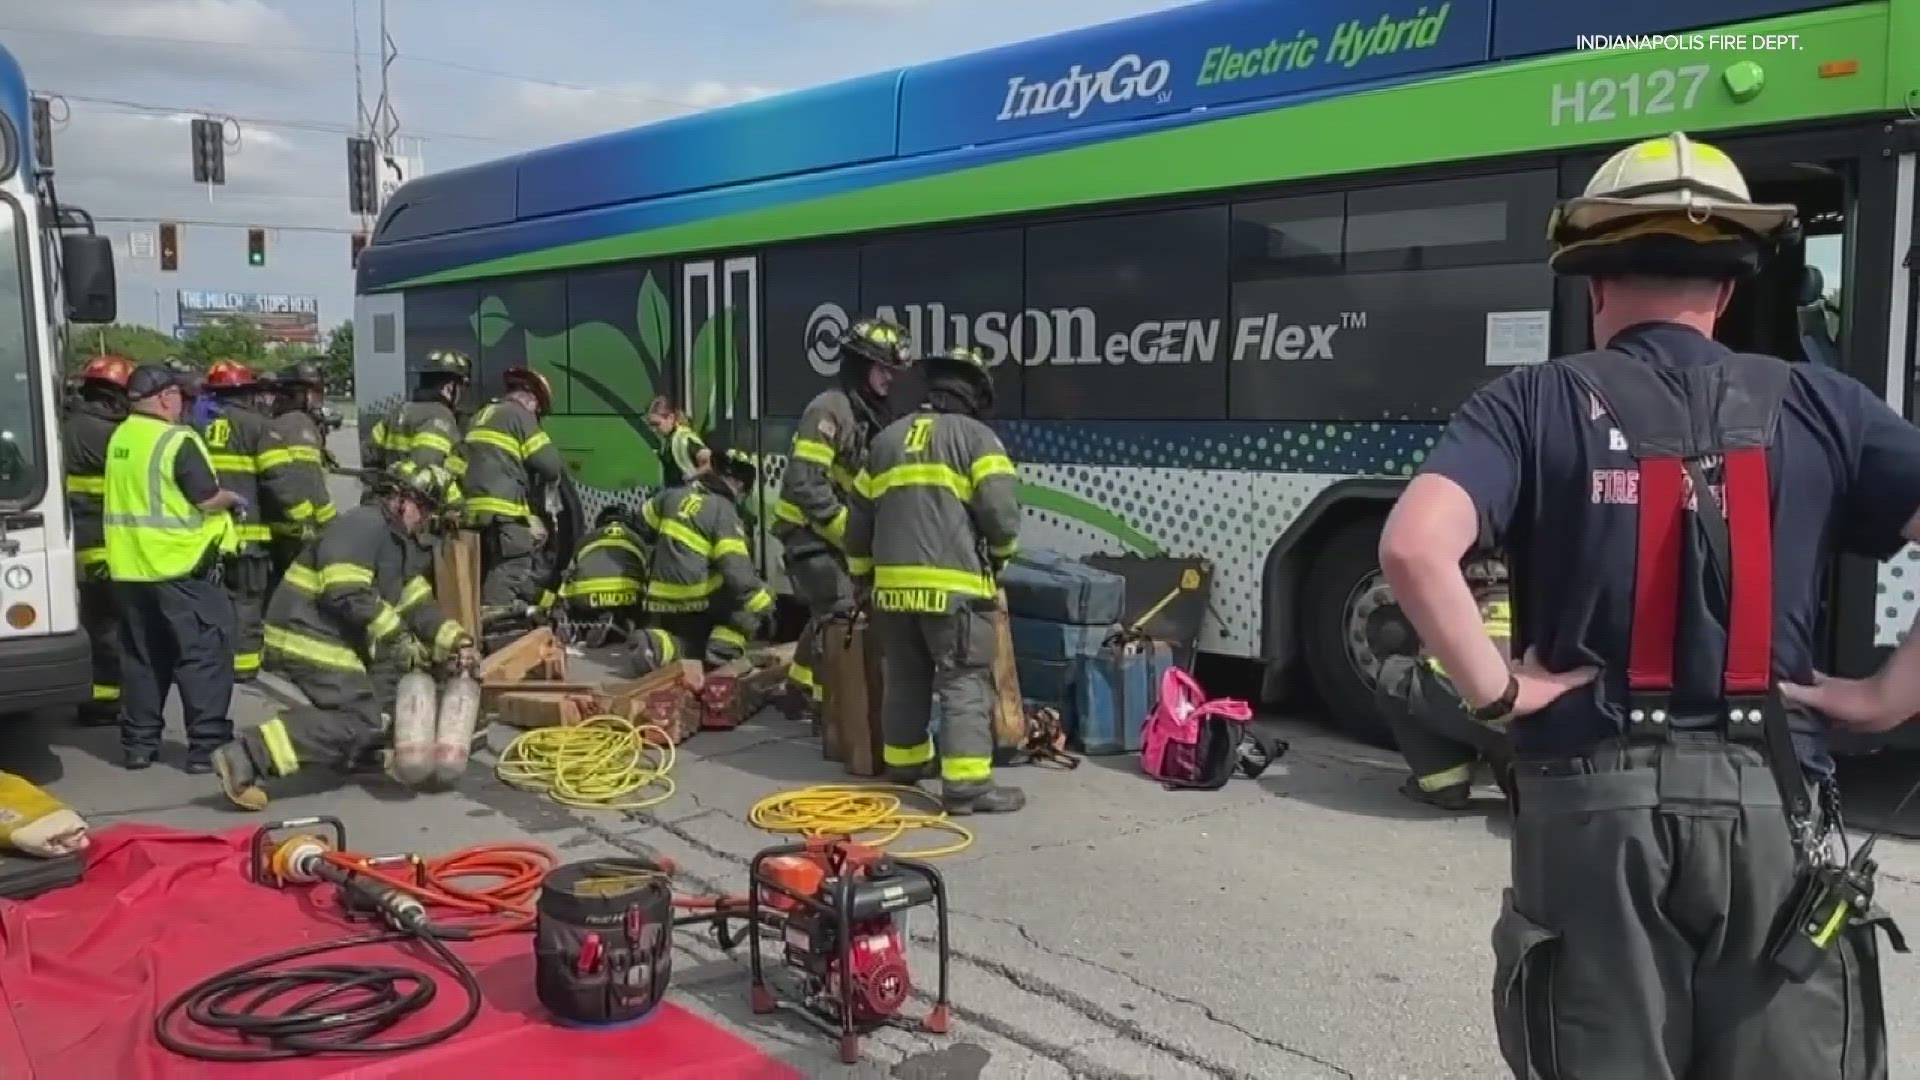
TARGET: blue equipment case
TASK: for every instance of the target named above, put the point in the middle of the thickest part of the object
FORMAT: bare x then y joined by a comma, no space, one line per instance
1115,692
1048,585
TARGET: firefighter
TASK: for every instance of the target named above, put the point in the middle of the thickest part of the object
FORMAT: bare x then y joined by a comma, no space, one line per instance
810,517
353,613
511,464
297,419
686,454
936,517
169,529
608,573
201,407
702,590
1441,743
97,408
1670,509
424,430
253,459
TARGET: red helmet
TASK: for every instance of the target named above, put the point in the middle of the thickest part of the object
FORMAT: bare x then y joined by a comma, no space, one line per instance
230,375
533,383
108,369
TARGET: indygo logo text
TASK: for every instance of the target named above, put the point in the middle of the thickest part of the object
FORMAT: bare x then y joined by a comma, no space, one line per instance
1072,336
1129,78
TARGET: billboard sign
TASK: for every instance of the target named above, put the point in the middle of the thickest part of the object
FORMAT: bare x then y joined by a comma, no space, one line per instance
281,317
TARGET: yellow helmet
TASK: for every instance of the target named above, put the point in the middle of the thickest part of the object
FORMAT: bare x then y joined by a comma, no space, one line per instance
1668,206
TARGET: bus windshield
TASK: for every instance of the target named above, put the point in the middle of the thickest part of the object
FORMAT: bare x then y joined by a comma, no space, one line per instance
21,460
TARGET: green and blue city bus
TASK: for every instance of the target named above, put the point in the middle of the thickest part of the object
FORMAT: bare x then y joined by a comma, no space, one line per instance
1235,262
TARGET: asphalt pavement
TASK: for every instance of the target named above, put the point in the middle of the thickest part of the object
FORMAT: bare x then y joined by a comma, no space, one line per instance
1308,925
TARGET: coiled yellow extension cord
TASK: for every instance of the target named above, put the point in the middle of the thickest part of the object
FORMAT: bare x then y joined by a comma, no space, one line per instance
605,762
856,810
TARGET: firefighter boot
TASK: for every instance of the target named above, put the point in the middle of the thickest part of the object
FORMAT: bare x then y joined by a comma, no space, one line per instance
985,797
911,775
239,780
1453,797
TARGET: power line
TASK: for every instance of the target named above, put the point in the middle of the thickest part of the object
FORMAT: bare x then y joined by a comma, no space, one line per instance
315,126
318,50
152,220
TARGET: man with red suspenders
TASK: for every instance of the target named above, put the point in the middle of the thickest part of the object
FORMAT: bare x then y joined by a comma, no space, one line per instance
1677,910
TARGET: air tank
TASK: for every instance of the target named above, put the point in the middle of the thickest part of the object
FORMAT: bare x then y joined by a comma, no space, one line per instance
414,715
453,732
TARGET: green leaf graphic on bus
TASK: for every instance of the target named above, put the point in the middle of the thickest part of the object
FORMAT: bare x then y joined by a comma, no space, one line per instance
491,321
654,319
608,377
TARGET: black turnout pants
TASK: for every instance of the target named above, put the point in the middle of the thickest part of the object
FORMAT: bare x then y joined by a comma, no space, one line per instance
1633,942
175,635
100,618
343,726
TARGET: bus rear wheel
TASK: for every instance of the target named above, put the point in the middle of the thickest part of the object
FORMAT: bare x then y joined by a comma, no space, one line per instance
1349,626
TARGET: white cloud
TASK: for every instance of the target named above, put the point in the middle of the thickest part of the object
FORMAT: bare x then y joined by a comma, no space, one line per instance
124,42
545,114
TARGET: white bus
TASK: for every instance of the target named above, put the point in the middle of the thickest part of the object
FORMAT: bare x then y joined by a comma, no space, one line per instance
53,270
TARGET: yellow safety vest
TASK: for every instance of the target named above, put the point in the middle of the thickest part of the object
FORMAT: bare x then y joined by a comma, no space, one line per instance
153,532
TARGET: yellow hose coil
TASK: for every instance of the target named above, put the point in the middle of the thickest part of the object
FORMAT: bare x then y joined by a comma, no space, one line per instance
856,810
605,762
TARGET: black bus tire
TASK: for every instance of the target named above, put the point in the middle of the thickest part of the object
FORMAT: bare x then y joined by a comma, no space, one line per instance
1347,558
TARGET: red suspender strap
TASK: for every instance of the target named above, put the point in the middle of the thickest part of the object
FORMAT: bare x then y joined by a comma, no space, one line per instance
1656,575
1749,668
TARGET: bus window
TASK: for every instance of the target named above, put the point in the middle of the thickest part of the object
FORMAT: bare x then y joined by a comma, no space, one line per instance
1818,304
20,460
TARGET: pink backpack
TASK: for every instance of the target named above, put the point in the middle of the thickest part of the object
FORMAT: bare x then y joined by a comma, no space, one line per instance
1191,742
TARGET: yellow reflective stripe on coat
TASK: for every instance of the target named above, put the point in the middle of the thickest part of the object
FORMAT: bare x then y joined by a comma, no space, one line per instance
991,465
304,454
93,556
651,515
1006,550
312,650
232,463
729,545
606,542
905,757
105,692
758,602
431,440
273,735
671,590
303,578
665,644
685,535
835,530
814,451
859,566
324,512
534,443
275,457
385,624
447,636
345,573
86,484
601,586
921,474
488,504
246,663
416,591
728,635
934,577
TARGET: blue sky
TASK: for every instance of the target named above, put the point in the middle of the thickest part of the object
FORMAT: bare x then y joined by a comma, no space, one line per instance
476,79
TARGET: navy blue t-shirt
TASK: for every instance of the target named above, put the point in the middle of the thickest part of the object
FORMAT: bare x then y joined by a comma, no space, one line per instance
1555,485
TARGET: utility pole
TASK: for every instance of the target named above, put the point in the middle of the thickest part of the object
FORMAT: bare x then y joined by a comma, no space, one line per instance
378,122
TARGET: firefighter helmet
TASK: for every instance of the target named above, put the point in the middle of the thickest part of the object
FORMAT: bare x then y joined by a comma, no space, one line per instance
877,341
739,466
231,375
446,364
613,514
108,369
967,366
302,373
533,383
1668,207
428,485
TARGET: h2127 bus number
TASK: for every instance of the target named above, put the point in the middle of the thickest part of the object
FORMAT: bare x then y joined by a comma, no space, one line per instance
1643,93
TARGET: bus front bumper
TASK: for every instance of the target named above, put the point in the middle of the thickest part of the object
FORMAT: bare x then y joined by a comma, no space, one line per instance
45,672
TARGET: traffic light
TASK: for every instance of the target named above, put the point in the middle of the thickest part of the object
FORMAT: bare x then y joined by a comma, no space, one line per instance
256,247
363,187
43,134
169,246
209,151
359,245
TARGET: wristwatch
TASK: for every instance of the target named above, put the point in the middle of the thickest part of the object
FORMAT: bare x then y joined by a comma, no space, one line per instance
1500,706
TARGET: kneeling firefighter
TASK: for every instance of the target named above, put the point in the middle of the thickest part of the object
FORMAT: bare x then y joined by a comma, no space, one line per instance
1683,902
810,517
1440,740
603,585
703,595
352,614
936,516
511,464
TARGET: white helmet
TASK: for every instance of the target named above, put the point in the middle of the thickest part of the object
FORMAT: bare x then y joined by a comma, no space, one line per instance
1667,205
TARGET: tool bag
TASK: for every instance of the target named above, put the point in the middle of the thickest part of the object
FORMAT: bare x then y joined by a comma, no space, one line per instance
1191,742
849,671
602,943
1049,585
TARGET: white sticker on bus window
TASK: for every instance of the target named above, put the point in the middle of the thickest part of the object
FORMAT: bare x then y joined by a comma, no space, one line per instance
1518,337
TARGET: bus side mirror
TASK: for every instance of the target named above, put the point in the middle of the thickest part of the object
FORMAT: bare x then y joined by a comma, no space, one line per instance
86,270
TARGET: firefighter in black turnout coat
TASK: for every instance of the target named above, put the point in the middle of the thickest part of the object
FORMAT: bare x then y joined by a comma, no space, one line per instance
1668,508
93,413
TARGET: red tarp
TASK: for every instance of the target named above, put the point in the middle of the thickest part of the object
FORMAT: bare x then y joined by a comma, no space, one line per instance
84,969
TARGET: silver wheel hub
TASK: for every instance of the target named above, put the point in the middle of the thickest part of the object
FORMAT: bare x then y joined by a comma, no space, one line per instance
1375,629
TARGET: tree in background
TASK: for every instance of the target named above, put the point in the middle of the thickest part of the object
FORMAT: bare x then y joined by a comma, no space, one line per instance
338,360
141,344
228,339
